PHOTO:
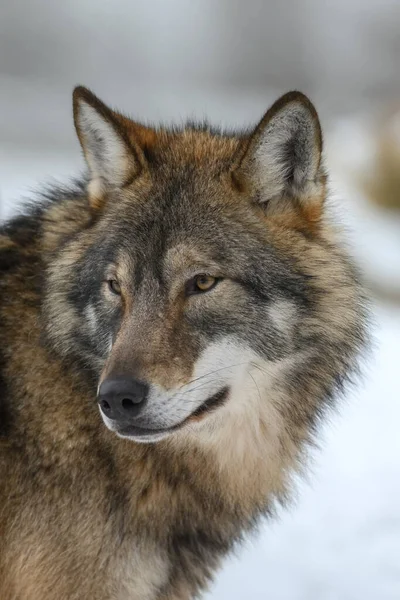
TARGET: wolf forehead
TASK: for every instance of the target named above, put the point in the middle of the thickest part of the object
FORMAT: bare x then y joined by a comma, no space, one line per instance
185,217
191,144
187,193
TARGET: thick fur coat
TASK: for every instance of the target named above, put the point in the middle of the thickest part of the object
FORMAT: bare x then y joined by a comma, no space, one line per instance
199,267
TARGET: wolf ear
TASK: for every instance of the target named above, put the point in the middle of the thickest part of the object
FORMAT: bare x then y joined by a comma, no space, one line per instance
282,157
113,159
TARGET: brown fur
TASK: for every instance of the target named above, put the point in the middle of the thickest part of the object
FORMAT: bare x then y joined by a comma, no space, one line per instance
86,515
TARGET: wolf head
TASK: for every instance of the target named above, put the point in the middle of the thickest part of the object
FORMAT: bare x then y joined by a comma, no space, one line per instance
196,277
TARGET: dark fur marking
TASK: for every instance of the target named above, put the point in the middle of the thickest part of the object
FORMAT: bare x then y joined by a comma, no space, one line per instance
9,259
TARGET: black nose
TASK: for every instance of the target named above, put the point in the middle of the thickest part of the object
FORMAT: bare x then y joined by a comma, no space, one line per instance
122,398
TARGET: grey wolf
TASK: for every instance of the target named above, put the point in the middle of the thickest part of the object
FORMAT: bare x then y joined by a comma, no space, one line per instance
173,328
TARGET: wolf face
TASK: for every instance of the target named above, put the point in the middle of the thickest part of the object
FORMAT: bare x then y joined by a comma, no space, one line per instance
201,283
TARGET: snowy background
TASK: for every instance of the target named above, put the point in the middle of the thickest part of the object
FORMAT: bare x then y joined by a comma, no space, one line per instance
228,60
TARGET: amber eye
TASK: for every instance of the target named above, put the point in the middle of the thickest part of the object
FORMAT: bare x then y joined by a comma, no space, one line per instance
114,286
201,283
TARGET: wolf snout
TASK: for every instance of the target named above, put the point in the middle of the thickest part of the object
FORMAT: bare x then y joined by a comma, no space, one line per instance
122,399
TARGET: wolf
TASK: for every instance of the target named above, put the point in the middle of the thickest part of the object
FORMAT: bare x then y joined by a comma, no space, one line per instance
173,328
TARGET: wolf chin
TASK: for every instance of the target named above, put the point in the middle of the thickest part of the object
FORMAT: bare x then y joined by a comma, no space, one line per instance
173,328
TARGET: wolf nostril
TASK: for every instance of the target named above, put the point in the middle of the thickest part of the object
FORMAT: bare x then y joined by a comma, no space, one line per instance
129,405
122,398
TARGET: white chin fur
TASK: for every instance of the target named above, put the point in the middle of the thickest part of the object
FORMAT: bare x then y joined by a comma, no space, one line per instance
146,439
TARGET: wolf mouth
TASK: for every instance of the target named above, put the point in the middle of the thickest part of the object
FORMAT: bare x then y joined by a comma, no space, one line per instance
208,406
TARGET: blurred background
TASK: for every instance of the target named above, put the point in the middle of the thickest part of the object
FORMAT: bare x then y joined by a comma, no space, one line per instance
228,60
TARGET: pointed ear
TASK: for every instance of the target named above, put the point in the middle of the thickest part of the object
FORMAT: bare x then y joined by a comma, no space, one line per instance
113,159
282,157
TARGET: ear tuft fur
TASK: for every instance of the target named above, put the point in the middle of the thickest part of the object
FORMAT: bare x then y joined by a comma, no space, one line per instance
111,157
282,157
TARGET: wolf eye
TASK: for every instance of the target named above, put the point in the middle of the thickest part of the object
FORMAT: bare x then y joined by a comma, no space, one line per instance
114,286
201,283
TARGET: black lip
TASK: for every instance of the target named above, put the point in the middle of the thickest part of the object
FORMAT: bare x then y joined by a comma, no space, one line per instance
209,405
